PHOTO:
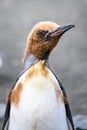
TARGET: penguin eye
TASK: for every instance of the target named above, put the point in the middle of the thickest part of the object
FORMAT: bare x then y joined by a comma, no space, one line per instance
42,33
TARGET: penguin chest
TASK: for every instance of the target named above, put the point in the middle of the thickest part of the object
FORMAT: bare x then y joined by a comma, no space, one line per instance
40,106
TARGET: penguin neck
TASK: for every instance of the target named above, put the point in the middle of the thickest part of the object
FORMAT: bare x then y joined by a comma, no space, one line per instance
32,60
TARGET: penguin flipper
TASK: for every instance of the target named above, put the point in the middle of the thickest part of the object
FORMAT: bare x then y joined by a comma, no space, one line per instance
8,105
69,116
67,107
6,117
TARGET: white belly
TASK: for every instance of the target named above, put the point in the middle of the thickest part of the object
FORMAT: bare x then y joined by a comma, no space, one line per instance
38,109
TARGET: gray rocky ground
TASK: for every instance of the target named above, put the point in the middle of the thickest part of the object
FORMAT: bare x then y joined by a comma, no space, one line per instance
69,59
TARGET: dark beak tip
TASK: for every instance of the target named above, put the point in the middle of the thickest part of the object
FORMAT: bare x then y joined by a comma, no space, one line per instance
71,25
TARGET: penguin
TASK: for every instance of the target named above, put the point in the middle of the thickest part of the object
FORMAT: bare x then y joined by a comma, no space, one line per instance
37,99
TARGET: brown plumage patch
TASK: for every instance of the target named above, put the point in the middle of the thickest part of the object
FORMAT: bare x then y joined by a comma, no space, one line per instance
15,95
65,99
59,94
8,96
37,69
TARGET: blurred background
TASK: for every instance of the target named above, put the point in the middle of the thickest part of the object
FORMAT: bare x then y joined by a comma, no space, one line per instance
68,60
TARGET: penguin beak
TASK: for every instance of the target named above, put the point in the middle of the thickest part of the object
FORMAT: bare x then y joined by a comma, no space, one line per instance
60,30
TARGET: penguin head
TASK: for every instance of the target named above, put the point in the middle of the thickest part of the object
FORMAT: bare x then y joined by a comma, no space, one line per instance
43,38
